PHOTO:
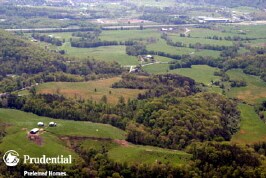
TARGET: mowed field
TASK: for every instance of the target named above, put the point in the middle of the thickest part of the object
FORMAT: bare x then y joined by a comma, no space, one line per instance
252,128
103,53
86,90
254,92
52,141
162,46
126,152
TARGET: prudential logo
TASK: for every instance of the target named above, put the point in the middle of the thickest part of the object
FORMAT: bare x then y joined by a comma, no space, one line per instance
11,158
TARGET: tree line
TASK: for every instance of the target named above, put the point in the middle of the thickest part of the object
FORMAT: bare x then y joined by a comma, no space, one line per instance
48,39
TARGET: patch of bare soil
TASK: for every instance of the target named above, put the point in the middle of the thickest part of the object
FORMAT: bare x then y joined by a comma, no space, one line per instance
36,139
122,142
73,141
242,132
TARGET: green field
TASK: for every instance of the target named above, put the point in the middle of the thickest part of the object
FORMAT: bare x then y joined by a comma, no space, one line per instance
124,35
156,68
54,140
254,92
187,41
200,73
131,154
104,53
86,90
18,124
252,128
161,45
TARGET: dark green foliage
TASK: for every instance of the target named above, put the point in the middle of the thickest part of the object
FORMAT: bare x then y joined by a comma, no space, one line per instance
157,85
177,122
238,83
226,160
47,39
136,50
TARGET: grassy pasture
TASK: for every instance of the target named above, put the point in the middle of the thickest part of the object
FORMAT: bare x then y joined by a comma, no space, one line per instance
187,41
200,73
254,92
18,123
156,68
86,90
124,35
161,45
137,154
104,53
252,128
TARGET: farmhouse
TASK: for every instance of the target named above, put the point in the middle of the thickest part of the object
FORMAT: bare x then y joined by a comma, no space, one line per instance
34,131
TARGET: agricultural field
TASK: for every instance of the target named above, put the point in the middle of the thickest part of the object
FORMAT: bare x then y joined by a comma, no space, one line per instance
124,35
200,73
161,45
252,128
254,92
189,40
157,68
86,90
137,154
104,53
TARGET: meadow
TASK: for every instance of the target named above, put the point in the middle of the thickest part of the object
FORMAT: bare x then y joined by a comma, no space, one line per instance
254,92
93,136
131,153
252,128
200,73
125,35
161,45
86,90
103,53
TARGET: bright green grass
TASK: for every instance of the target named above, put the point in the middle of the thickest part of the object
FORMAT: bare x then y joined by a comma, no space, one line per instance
187,41
138,154
252,128
20,120
254,92
105,53
162,59
19,123
156,68
161,45
251,31
200,73
203,33
124,35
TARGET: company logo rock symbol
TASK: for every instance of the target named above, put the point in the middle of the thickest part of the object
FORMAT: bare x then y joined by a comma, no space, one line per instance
11,158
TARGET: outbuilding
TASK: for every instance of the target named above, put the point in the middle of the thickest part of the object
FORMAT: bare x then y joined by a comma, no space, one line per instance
40,124
34,131
52,124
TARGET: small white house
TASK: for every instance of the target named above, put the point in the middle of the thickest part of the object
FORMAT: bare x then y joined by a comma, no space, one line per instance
34,131
52,124
40,124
